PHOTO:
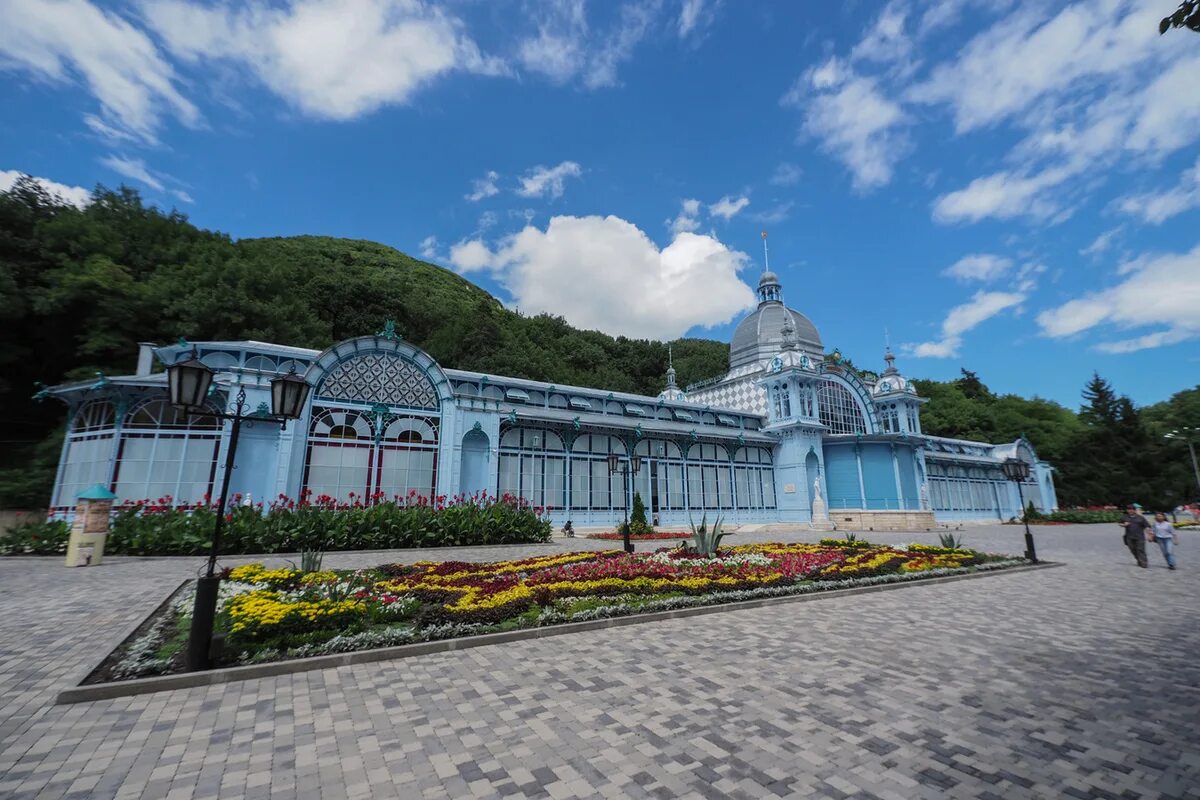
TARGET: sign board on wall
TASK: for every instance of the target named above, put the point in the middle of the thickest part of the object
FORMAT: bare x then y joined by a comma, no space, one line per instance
789,488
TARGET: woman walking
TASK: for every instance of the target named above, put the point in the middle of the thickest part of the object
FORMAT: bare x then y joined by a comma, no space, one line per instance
1164,534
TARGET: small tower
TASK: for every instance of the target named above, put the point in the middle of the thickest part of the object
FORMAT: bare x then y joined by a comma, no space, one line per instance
790,382
672,392
896,401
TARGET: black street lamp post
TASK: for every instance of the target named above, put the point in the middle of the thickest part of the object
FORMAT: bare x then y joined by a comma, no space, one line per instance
632,466
189,382
1017,471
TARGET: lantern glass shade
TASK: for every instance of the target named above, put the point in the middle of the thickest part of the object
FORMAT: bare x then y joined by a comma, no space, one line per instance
614,461
188,382
635,464
288,395
1015,469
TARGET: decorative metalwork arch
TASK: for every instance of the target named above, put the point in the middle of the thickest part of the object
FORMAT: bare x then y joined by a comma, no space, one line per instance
858,391
376,369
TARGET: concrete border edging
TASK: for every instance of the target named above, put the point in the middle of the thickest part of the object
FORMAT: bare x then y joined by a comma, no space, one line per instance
188,680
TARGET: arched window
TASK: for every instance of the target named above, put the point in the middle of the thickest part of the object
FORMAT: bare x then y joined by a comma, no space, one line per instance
709,477
348,461
786,394
753,478
533,466
839,411
591,485
661,478
164,453
88,453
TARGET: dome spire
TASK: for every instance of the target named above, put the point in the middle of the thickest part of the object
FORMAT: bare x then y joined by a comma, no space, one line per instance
670,368
769,288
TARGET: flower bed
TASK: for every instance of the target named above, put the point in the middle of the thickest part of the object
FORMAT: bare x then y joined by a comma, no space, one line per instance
275,614
161,528
653,536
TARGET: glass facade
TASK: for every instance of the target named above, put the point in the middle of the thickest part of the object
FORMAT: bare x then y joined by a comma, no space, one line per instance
840,412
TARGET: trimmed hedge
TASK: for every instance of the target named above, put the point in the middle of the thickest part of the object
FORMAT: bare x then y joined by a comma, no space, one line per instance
155,530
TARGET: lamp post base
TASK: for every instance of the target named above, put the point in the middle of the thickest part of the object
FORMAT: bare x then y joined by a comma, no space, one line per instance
204,614
1030,551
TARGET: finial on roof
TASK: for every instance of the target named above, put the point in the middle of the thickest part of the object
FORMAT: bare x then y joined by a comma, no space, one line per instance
789,333
890,358
766,259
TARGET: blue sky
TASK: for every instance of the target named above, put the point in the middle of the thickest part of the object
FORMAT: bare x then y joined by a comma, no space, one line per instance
1008,187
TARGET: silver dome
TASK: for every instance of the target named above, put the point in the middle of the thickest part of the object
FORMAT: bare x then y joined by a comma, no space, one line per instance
759,336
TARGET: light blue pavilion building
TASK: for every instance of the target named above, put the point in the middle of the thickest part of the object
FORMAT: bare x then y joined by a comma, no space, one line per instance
785,424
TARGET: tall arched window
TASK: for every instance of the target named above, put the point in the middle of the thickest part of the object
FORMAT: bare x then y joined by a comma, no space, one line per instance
591,485
710,477
166,453
839,411
374,430
88,452
753,478
533,466
661,478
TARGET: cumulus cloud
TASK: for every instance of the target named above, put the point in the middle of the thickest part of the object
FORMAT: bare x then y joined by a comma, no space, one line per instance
428,248
63,41
853,119
728,207
964,318
978,267
688,218
471,255
566,47
548,181
484,187
332,59
1158,207
75,195
1160,291
604,273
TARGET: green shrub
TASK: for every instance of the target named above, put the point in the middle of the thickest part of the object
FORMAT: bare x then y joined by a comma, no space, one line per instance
637,517
35,536
143,529
1080,516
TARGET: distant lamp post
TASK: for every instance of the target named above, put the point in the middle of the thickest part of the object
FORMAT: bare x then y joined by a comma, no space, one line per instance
1189,435
633,466
188,382
1017,471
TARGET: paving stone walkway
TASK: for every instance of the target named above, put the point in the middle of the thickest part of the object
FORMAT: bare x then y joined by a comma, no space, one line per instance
1081,681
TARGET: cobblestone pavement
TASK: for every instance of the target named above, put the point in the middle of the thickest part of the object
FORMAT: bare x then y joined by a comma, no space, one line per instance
1081,681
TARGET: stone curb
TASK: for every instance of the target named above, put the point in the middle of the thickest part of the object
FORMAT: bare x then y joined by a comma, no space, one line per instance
188,680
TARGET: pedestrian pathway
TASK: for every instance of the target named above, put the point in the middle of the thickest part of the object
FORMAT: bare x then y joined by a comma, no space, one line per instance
1082,681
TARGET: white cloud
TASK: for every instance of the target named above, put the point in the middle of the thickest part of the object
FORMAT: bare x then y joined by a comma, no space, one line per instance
728,207
886,40
964,318
1160,291
333,59
1157,207
62,41
1101,243
566,47
548,181
429,248
604,273
786,174
695,16
978,267
471,255
853,119
1003,195
75,195
483,187
688,219
775,214
134,169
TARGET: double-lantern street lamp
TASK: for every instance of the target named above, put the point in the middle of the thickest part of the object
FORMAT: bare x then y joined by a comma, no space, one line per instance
1188,434
632,466
1017,471
189,382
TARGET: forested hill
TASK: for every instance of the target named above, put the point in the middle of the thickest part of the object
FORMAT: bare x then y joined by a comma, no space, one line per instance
79,288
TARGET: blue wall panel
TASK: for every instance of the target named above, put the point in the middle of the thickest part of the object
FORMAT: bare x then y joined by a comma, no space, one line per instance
841,478
879,477
908,477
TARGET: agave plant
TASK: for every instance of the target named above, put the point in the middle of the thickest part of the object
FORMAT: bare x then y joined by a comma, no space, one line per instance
310,560
707,540
950,541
